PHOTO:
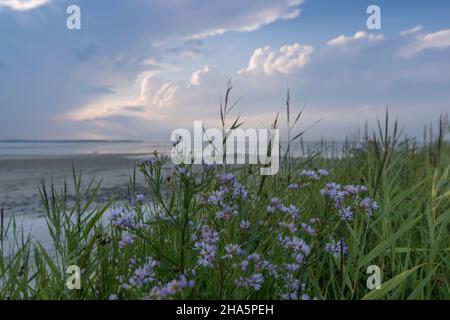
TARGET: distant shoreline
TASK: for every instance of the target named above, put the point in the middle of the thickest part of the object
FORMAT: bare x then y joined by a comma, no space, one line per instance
136,156
68,141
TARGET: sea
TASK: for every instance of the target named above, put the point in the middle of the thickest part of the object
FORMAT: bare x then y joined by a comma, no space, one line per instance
81,147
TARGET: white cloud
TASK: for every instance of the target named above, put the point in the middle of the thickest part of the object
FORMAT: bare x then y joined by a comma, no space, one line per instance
344,40
413,30
150,97
435,40
197,75
333,86
285,60
165,95
156,65
254,19
23,5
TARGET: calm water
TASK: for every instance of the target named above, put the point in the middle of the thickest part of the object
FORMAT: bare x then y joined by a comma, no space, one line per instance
82,147
28,148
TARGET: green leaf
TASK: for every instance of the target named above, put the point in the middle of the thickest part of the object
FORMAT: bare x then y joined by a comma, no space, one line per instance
49,262
422,284
390,285
379,249
94,220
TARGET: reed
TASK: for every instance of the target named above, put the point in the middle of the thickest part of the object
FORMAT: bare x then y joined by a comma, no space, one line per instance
215,232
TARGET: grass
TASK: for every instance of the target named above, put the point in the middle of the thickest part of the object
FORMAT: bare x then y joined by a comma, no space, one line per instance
229,233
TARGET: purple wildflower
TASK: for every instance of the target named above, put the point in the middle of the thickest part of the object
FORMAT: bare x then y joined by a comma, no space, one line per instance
292,267
292,186
143,275
206,246
308,229
122,218
255,281
297,244
355,190
289,226
270,209
369,206
275,201
126,240
172,287
346,214
310,174
152,161
335,248
245,225
232,250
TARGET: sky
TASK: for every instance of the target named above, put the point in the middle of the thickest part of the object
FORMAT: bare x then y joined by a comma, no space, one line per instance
138,69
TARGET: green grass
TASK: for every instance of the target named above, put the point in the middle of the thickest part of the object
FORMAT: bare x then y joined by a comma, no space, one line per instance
407,237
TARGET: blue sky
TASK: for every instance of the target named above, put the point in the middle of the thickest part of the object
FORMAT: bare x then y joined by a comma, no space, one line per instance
141,68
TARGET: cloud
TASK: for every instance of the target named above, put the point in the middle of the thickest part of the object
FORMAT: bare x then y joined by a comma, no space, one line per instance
119,88
343,90
100,89
190,49
285,60
157,65
413,30
254,18
114,106
164,96
197,75
436,40
152,96
22,5
359,36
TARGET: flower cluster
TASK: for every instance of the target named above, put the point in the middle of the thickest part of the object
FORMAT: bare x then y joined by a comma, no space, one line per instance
141,276
314,174
291,287
296,244
182,172
255,281
336,248
232,251
172,287
292,186
351,195
254,267
126,241
152,161
276,205
222,233
224,200
206,245
122,218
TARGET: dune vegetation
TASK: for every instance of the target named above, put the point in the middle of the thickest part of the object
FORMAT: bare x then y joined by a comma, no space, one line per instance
227,232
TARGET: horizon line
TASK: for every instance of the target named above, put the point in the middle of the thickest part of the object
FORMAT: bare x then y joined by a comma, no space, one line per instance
71,140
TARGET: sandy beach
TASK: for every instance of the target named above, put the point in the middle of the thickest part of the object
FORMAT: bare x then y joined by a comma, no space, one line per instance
20,177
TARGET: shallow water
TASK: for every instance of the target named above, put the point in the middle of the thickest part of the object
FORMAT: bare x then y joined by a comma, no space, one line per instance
27,148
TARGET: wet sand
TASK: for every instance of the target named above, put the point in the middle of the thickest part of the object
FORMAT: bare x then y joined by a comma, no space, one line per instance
20,177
